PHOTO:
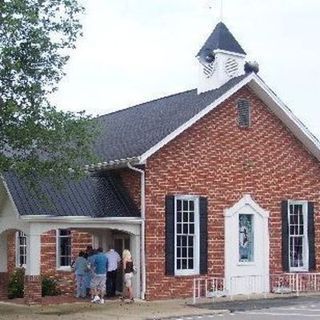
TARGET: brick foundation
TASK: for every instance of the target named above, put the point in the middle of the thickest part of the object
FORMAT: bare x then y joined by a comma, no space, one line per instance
32,289
4,280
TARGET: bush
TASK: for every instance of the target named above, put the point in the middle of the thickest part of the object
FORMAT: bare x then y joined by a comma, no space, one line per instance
49,287
16,284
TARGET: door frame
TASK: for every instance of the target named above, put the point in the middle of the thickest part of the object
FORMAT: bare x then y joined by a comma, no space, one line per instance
247,205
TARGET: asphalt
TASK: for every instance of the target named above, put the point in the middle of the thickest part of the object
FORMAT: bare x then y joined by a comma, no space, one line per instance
150,310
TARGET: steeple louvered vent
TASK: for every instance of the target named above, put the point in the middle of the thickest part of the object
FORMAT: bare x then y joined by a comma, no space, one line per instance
243,107
209,69
231,67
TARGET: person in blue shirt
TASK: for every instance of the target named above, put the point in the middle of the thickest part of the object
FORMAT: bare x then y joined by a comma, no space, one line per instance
100,266
80,269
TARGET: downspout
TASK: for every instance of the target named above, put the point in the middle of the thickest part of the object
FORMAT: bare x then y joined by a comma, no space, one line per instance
143,215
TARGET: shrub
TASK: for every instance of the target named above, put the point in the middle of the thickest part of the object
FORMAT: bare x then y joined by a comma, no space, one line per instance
49,287
16,284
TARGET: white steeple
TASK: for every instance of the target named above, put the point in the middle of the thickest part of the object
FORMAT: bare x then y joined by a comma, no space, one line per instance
220,59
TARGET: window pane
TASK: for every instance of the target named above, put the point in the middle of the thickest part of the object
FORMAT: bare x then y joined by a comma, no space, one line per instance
184,264
178,252
184,252
178,205
185,228
246,239
190,252
178,241
191,205
185,217
64,247
179,216
185,205
190,263
179,228
184,241
178,264
191,217
191,229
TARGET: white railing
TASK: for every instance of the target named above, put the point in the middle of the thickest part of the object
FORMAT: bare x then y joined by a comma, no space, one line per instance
208,288
295,283
286,283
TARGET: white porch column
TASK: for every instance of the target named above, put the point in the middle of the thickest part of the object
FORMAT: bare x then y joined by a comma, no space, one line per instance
32,281
33,254
135,252
3,252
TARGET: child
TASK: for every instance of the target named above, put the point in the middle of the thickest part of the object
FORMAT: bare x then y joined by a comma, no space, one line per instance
80,268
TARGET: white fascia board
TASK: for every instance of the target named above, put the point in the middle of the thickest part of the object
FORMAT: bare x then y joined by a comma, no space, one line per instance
16,211
197,117
79,219
299,130
231,53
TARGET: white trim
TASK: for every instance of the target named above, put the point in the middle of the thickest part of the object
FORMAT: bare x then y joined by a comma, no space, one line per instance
230,53
196,244
300,131
246,200
58,253
305,248
79,219
194,119
269,98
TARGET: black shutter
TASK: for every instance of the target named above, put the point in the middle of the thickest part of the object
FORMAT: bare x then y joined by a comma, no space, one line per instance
203,235
312,256
285,236
169,254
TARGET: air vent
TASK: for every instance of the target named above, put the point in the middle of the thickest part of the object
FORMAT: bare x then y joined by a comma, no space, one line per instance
209,69
243,107
231,67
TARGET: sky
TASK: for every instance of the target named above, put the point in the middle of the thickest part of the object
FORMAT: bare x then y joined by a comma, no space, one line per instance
134,51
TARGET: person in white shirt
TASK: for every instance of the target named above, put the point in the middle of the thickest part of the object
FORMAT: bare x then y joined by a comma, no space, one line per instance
113,264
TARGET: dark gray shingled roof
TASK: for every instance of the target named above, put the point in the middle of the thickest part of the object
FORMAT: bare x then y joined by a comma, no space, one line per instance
131,132
221,38
125,134
93,196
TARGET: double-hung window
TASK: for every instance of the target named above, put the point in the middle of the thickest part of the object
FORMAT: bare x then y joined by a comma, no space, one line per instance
298,235
21,249
186,235
64,248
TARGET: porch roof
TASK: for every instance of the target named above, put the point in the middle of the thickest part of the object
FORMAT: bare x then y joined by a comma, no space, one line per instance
95,196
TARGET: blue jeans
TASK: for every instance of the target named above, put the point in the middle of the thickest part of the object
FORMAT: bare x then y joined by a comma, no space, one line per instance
81,285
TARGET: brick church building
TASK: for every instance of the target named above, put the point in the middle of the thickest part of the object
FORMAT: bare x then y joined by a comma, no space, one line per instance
219,181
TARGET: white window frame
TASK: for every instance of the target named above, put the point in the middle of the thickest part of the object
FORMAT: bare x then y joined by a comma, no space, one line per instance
58,253
305,245
196,242
20,234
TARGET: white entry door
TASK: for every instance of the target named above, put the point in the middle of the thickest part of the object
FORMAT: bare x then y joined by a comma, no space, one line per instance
246,248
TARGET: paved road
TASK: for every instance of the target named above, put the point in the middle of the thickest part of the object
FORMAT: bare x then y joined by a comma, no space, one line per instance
282,309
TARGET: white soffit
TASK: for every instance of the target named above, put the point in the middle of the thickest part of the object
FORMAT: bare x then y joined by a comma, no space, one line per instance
299,130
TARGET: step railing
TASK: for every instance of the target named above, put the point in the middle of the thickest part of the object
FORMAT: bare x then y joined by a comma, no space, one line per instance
208,288
285,283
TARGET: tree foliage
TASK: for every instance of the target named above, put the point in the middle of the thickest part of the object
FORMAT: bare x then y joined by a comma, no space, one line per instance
36,37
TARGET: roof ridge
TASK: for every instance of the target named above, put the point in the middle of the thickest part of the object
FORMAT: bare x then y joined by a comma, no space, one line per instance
142,103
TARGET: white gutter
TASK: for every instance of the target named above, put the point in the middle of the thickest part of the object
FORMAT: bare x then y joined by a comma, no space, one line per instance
143,217
78,219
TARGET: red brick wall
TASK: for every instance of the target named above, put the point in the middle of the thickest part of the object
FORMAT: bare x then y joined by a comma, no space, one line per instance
65,279
132,183
217,159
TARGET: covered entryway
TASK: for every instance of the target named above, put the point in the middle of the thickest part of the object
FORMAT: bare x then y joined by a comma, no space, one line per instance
246,248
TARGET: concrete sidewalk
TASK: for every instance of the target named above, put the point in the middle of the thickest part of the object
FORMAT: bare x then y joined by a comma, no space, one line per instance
114,309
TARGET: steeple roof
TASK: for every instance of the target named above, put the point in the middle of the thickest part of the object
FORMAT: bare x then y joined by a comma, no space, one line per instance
221,38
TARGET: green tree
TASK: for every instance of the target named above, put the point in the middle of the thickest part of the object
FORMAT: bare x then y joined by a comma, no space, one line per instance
36,37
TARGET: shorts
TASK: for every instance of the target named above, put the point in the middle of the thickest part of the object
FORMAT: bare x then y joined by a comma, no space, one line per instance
127,279
98,282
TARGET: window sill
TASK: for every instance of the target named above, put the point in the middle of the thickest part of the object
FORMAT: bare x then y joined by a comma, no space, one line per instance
64,269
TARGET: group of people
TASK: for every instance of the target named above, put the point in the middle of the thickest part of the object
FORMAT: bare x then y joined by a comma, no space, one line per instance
96,274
